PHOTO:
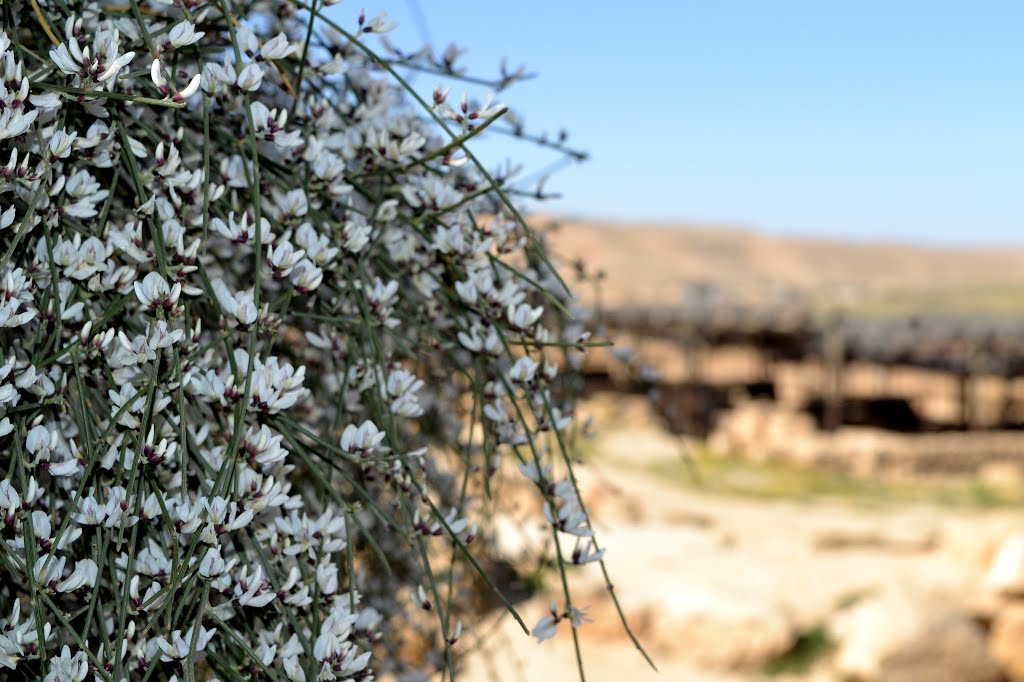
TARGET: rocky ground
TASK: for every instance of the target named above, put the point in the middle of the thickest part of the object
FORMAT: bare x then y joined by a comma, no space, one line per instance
726,588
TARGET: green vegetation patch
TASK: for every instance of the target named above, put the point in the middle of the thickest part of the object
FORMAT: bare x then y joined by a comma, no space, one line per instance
709,471
809,648
997,301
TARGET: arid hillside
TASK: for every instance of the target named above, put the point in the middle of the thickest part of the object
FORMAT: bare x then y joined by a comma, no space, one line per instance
656,264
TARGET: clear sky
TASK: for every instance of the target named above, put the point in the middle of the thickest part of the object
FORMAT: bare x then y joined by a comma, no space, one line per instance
865,120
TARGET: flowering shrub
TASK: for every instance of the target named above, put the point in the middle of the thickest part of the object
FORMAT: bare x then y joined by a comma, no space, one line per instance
268,331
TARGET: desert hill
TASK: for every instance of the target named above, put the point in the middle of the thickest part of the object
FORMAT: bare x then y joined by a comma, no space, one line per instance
659,264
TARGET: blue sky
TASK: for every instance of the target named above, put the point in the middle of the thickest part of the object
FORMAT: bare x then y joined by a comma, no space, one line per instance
859,120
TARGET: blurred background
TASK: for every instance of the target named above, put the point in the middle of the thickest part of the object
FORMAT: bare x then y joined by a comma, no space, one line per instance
800,225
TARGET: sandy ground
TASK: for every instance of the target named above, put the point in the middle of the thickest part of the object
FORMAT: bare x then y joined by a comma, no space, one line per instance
709,582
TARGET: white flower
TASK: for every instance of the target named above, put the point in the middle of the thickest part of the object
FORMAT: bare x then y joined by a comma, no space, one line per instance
41,444
100,61
239,305
547,627
558,421
48,569
188,516
467,291
64,56
361,440
179,646
156,73
153,292
10,500
306,276
382,297
480,341
402,387
210,386
276,48
250,590
523,316
184,33
116,66
250,77
293,669
292,204
45,101
216,75
135,402
577,616
378,24
455,636
14,122
90,512
419,598
356,234
213,566
60,146
586,553
189,90
283,257
269,125
241,230
160,335
84,193
326,533
263,446
223,517
84,575
10,317
7,217
523,370
68,668
90,258
571,518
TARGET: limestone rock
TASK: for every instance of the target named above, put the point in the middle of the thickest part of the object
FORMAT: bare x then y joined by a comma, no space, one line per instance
704,626
1006,573
724,631
1005,641
951,649
875,628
